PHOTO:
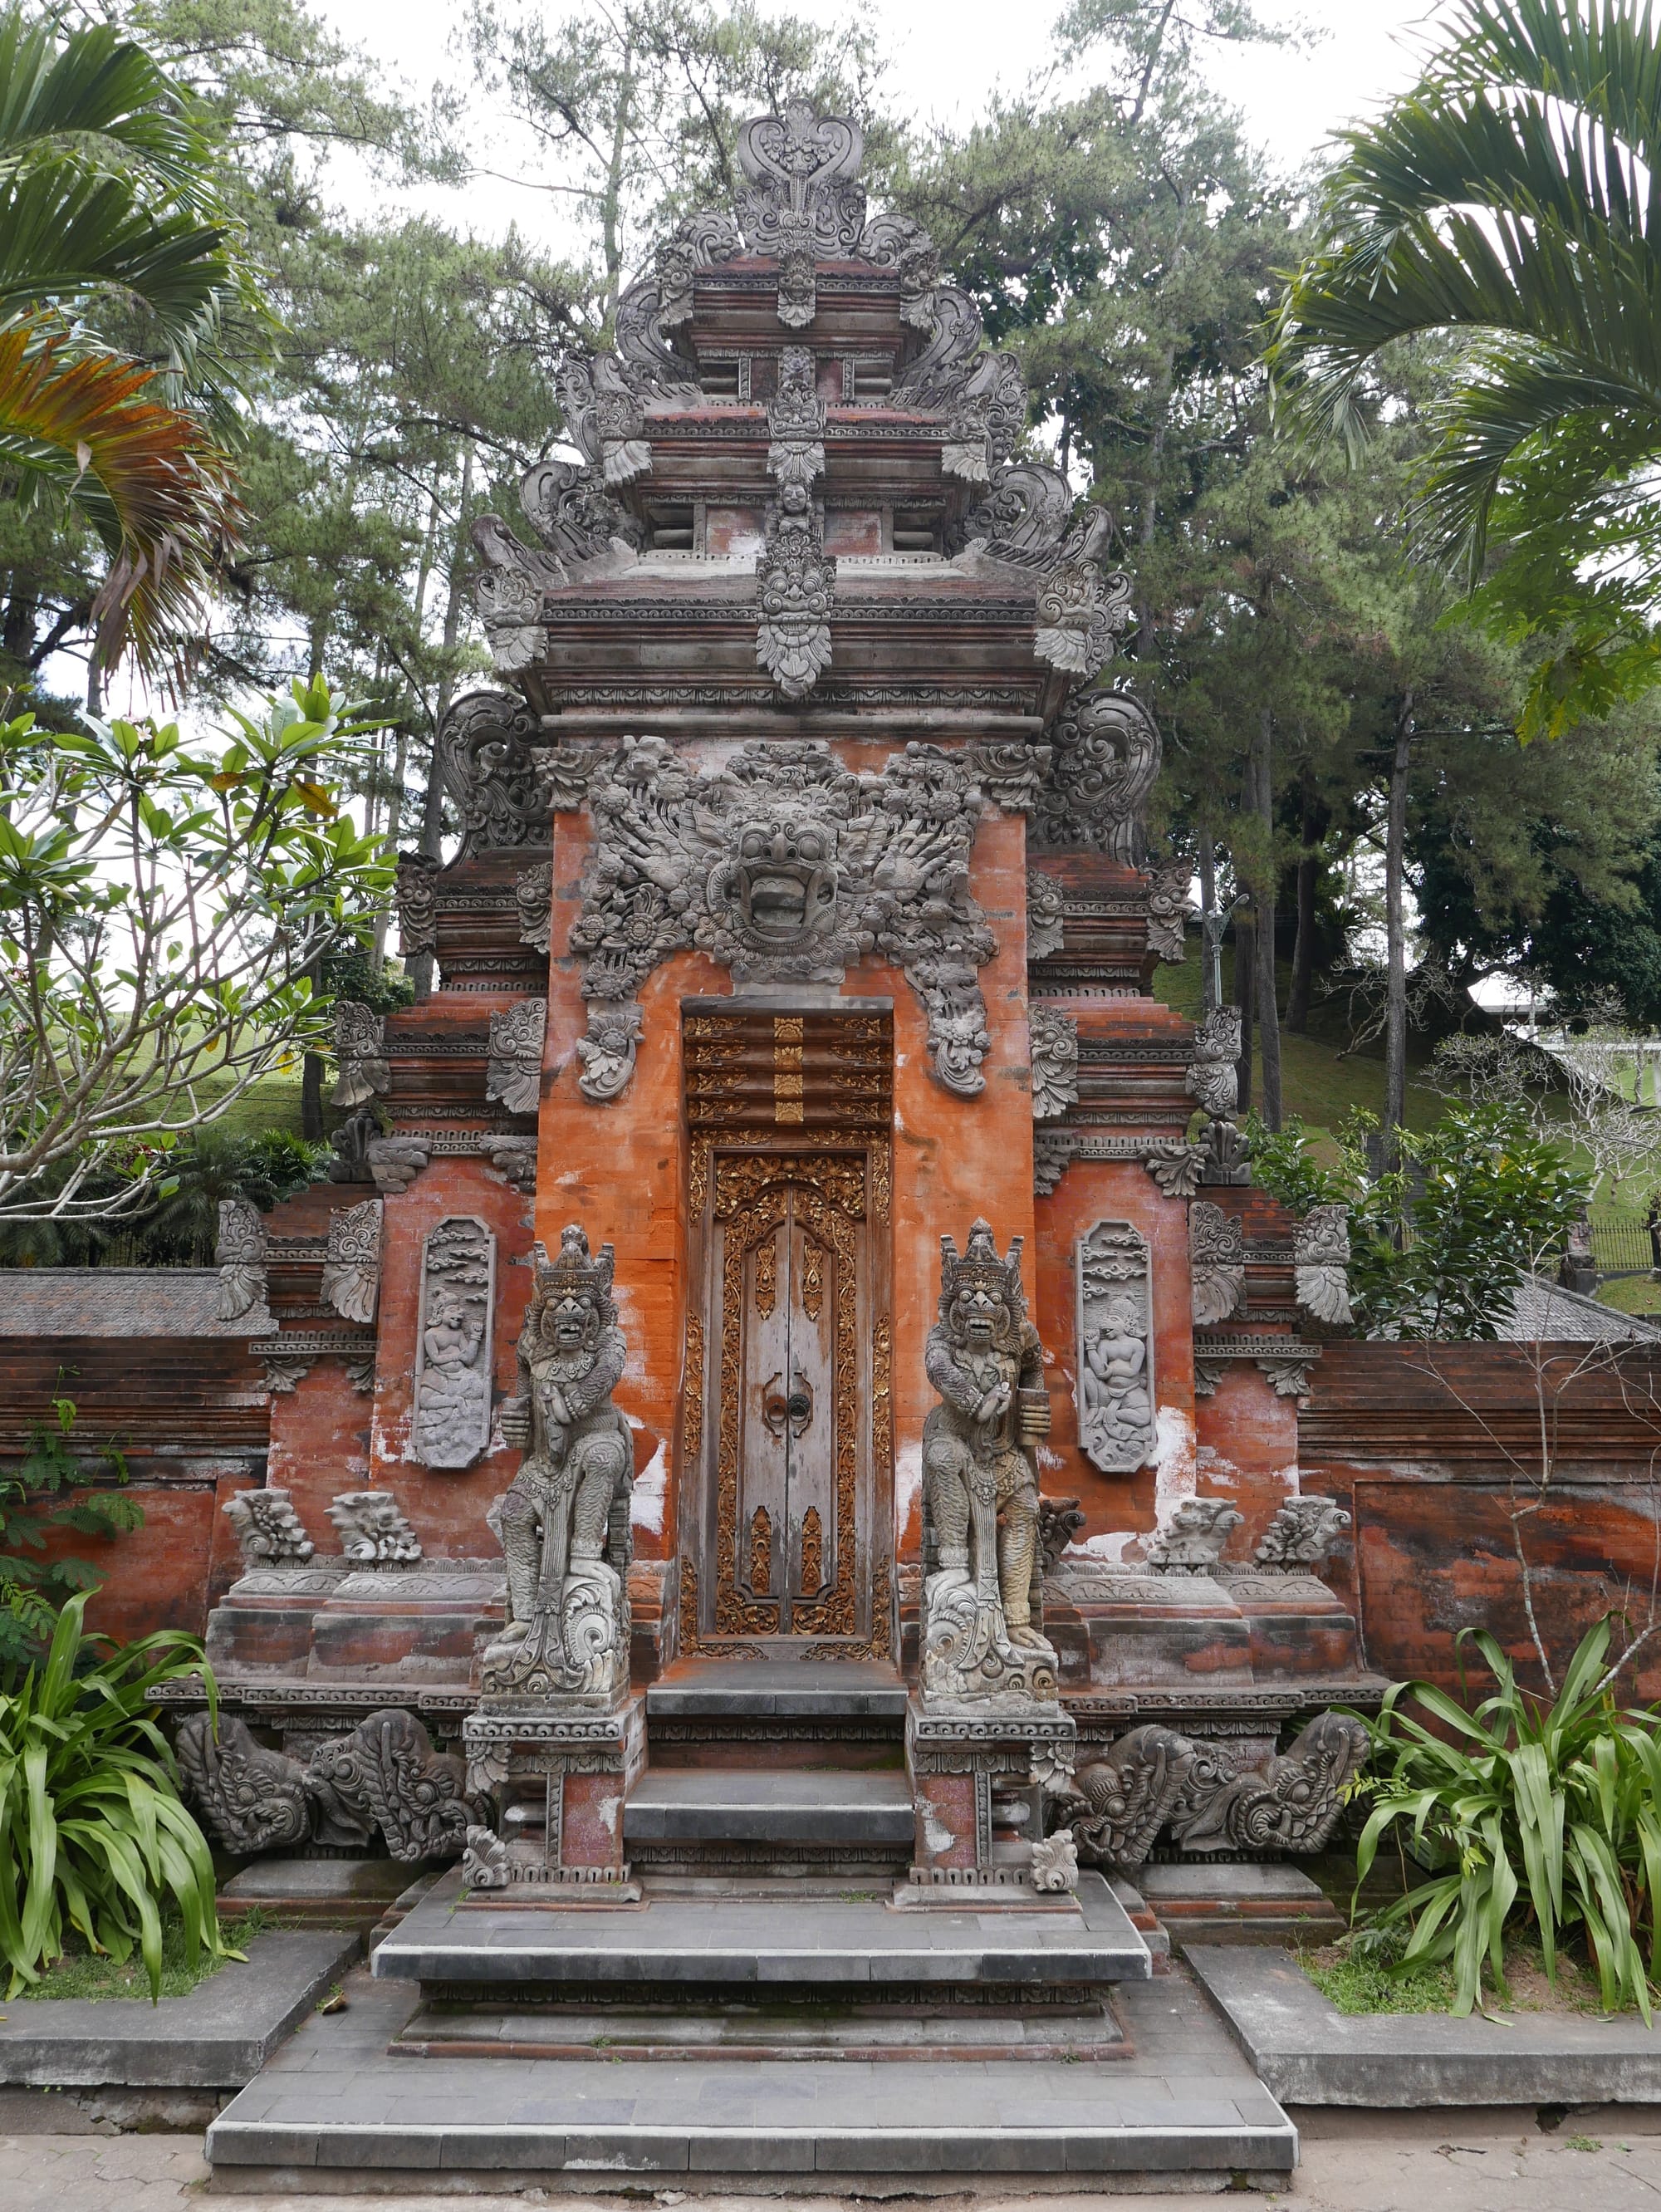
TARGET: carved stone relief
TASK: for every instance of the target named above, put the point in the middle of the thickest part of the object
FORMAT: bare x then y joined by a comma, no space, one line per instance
1216,1256
395,1162
1303,1532
1053,1040
1104,760
1168,908
488,743
513,1073
360,1054
450,1423
416,901
1023,518
239,1255
374,1531
603,417
801,201
577,519
351,1274
986,419
515,1157
1010,773
787,868
938,378
564,1523
896,242
1044,902
533,894
608,1053
1213,1077
980,1640
1191,1543
1175,1165
1320,1260
268,1532
1083,610
702,241
1114,1392
795,577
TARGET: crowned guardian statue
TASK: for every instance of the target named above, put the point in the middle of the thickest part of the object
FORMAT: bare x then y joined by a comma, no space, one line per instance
981,1482
564,1523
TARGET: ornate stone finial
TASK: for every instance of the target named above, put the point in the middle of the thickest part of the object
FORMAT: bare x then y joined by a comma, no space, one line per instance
705,240
896,242
1320,1260
1105,761
350,1145
800,202
514,1077
351,1274
608,1052
1216,1257
577,518
1213,1077
485,1862
603,417
1046,903
1055,1861
239,1255
1225,1156
1083,610
374,1531
564,1523
360,1055
1116,1429
1303,1532
416,902
268,1531
1054,1044
449,1425
986,420
980,1483
1192,1542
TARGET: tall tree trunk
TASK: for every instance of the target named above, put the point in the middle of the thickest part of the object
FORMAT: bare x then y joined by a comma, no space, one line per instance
1246,951
1303,948
1211,943
394,823
1396,932
432,813
1269,1020
611,212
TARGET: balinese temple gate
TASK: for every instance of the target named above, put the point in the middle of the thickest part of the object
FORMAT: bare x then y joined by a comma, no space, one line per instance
802,1395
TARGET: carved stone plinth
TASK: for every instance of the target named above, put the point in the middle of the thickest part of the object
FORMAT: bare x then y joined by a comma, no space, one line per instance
558,1781
264,1625
328,1621
979,1785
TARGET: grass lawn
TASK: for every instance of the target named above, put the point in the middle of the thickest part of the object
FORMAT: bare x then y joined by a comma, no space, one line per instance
83,1973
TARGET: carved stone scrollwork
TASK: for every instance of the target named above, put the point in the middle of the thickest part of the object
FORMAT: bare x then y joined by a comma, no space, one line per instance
513,1073
987,420
1022,520
1288,1378
702,241
795,589
1113,1277
1105,761
603,417
800,201
1227,1155
1213,1077
239,1255
255,1800
1191,1543
351,1274
981,1484
533,894
1055,1861
417,1796
1216,1255
1320,1260
268,1532
564,1523
374,1531
1175,1166
515,1157
484,1862
1168,908
416,901
1301,1534
359,1054
508,593
608,1052
577,519
1054,1044
449,1425
1010,774
937,378
487,746
651,361
283,1376
563,774
395,1162
1082,609
896,242
1059,1521
1120,1802
1044,904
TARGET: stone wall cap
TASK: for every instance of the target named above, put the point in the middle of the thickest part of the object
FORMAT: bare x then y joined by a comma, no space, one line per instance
132,1302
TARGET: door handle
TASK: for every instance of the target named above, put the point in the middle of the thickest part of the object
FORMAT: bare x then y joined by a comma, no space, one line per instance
798,1406
775,1405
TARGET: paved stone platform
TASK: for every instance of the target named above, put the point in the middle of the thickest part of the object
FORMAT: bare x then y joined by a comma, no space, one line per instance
739,1805
737,1940
332,2104
218,2037
1310,2053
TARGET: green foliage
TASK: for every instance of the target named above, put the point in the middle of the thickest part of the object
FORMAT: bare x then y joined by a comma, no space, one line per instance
1368,1976
207,1168
37,1580
1439,1244
94,1837
1528,1814
83,1973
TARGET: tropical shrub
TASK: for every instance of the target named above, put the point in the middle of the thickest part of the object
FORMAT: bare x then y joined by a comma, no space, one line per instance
1439,1246
36,1579
1525,1814
94,1838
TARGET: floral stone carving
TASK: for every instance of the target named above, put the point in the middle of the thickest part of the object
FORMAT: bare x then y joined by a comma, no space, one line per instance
374,1531
1192,1542
1216,1257
1045,902
533,894
1054,1043
1115,1347
513,1074
787,868
450,1424
1320,1261
268,1532
239,1255
1213,1076
980,1483
1105,755
608,1053
801,201
351,1274
564,1523
1301,1534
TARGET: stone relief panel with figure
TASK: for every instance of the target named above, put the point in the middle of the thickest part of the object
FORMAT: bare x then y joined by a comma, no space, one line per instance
1115,1347
451,1422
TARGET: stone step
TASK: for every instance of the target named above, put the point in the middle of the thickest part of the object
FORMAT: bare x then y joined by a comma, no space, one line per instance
776,1942
776,1713
748,1805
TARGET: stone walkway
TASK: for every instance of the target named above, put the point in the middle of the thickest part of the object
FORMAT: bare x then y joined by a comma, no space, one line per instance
1431,2162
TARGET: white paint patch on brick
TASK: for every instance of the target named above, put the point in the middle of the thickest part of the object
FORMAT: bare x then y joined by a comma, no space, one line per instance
650,1489
1175,1469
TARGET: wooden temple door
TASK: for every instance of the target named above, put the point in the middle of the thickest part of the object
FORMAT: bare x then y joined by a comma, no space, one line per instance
790,1542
